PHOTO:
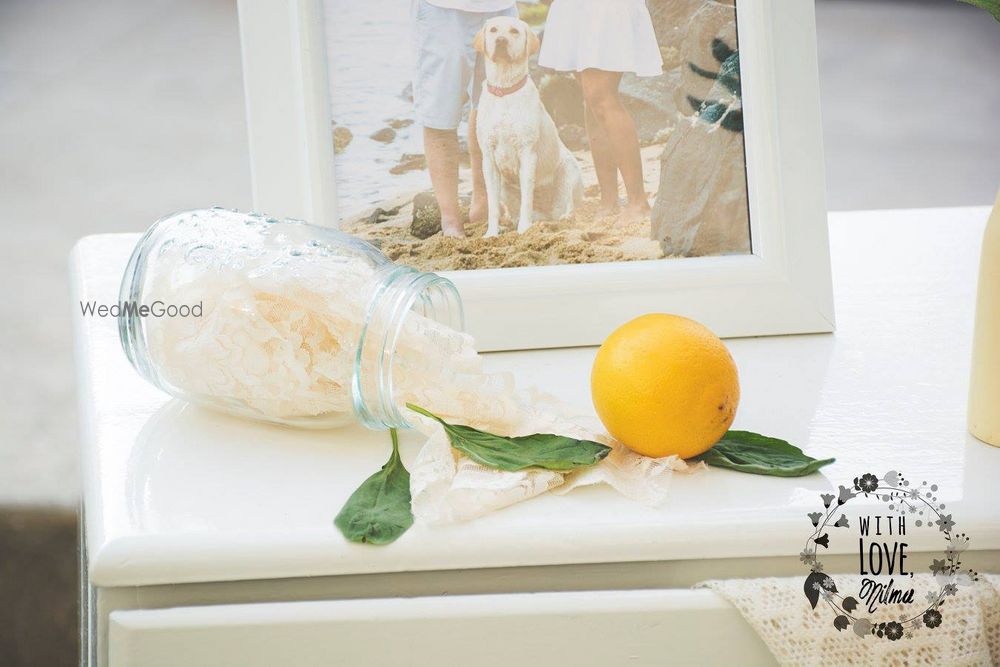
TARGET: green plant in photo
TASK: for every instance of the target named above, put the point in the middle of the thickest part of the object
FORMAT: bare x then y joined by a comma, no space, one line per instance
533,14
727,82
992,6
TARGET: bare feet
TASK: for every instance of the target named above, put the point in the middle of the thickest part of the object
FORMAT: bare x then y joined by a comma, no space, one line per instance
608,208
477,208
454,229
635,212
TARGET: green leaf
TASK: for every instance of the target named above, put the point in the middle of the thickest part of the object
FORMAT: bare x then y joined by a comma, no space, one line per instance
541,450
729,74
733,121
710,112
721,50
992,6
701,71
728,78
378,512
760,455
730,81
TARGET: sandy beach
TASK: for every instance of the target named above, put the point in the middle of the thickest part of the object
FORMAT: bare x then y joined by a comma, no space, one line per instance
586,238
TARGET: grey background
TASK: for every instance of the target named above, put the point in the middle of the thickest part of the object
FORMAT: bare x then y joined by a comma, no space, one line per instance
113,112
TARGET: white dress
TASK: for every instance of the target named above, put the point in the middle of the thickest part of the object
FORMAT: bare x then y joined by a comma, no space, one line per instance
611,35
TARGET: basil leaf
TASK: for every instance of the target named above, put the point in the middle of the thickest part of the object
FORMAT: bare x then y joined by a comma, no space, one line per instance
760,455
378,512
541,450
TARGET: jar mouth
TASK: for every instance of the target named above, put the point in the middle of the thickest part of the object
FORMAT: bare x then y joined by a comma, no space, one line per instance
401,292
131,326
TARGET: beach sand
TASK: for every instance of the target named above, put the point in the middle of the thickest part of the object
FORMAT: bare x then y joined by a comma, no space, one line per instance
586,238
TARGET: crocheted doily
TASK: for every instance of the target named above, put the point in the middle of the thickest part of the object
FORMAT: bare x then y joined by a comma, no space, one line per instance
797,635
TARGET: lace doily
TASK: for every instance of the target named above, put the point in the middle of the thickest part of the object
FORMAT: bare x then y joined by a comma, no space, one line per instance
798,635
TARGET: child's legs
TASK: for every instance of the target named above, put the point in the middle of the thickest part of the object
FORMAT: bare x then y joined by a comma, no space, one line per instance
600,90
440,91
477,207
441,149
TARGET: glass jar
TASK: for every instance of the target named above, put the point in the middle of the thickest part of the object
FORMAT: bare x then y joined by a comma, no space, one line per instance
288,322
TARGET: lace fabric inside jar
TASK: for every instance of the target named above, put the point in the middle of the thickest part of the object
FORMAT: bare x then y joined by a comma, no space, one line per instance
298,324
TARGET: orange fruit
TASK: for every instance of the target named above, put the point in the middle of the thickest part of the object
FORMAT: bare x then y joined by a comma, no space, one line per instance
664,384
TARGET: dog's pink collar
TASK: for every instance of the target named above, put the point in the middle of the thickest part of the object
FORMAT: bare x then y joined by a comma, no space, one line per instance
502,92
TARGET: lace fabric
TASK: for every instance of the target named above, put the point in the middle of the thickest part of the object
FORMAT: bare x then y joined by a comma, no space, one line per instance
279,333
798,635
447,486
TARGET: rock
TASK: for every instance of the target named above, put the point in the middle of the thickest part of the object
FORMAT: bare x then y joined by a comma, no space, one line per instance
672,23
574,136
386,135
426,220
563,98
662,136
409,162
671,57
399,123
341,138
382,214
701,206
426,216
650,102
711,38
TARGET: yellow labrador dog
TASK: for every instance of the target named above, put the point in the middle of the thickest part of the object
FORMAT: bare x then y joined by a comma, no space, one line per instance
525,164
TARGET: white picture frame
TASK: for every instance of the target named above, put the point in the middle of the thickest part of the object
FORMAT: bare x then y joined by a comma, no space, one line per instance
783,287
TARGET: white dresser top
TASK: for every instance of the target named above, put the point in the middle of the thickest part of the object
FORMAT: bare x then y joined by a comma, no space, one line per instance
176,494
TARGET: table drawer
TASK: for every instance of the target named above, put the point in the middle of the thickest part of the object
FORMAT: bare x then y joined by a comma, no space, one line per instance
644,627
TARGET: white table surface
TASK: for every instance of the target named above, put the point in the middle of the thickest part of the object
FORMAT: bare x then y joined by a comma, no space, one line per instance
176,494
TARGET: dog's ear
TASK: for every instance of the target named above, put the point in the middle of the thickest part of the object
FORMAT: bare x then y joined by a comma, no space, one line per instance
534,44
479,41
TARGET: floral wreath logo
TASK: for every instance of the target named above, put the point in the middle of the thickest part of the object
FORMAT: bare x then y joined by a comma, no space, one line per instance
902,499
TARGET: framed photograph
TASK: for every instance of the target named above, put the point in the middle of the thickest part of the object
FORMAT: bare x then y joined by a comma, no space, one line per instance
569,164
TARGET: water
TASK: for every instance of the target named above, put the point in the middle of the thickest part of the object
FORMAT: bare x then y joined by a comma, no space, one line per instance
371,65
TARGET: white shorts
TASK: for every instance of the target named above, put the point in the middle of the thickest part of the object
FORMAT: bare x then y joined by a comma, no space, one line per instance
449,72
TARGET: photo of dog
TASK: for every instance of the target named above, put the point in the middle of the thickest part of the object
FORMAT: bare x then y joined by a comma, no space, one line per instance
474,134
526,166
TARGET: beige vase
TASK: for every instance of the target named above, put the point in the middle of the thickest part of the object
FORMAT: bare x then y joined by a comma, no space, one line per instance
984,387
